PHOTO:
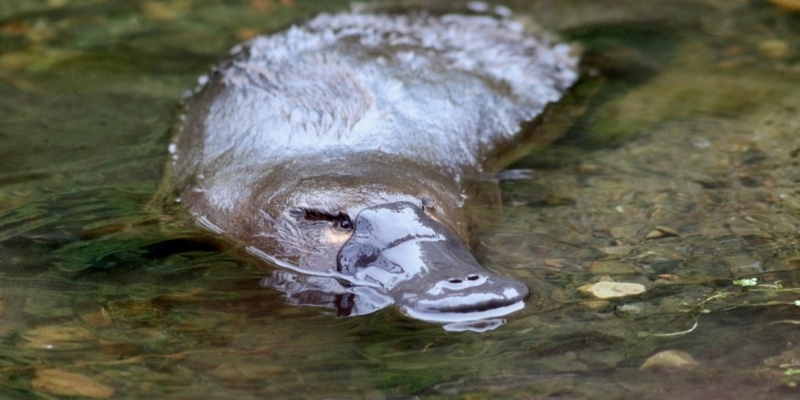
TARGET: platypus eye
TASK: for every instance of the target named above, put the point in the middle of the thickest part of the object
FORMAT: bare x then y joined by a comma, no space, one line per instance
345,224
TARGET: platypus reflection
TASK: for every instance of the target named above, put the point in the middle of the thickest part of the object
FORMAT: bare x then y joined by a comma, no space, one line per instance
338,149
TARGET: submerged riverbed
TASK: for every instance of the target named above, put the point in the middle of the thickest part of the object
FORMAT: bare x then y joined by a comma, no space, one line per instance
678,174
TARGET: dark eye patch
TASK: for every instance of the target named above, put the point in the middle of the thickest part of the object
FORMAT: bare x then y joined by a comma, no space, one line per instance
339,219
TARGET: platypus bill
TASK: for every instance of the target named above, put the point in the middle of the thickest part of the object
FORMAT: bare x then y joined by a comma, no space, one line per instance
337,150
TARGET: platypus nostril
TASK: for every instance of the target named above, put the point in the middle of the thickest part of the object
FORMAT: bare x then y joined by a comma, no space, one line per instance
470,277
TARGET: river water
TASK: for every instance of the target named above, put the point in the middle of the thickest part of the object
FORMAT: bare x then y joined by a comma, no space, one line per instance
678,172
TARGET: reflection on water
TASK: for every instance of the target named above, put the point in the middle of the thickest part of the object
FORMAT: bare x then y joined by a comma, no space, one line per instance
315,291
352,301
697,189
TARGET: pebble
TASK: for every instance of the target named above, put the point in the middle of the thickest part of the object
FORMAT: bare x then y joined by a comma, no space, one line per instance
58,338
774,49
670,360
662,232
611,267
619,250
609,290
62,383
594,304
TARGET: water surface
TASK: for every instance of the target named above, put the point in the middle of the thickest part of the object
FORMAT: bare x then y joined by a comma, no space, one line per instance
678,171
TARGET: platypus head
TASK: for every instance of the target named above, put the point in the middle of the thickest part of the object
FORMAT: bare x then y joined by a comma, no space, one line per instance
400,233
424,266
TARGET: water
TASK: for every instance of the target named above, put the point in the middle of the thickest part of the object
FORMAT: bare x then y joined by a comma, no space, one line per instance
678,172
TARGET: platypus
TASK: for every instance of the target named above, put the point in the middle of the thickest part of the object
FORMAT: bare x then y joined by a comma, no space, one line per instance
339,149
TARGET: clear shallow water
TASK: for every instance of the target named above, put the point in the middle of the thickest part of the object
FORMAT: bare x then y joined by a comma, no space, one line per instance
679,172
